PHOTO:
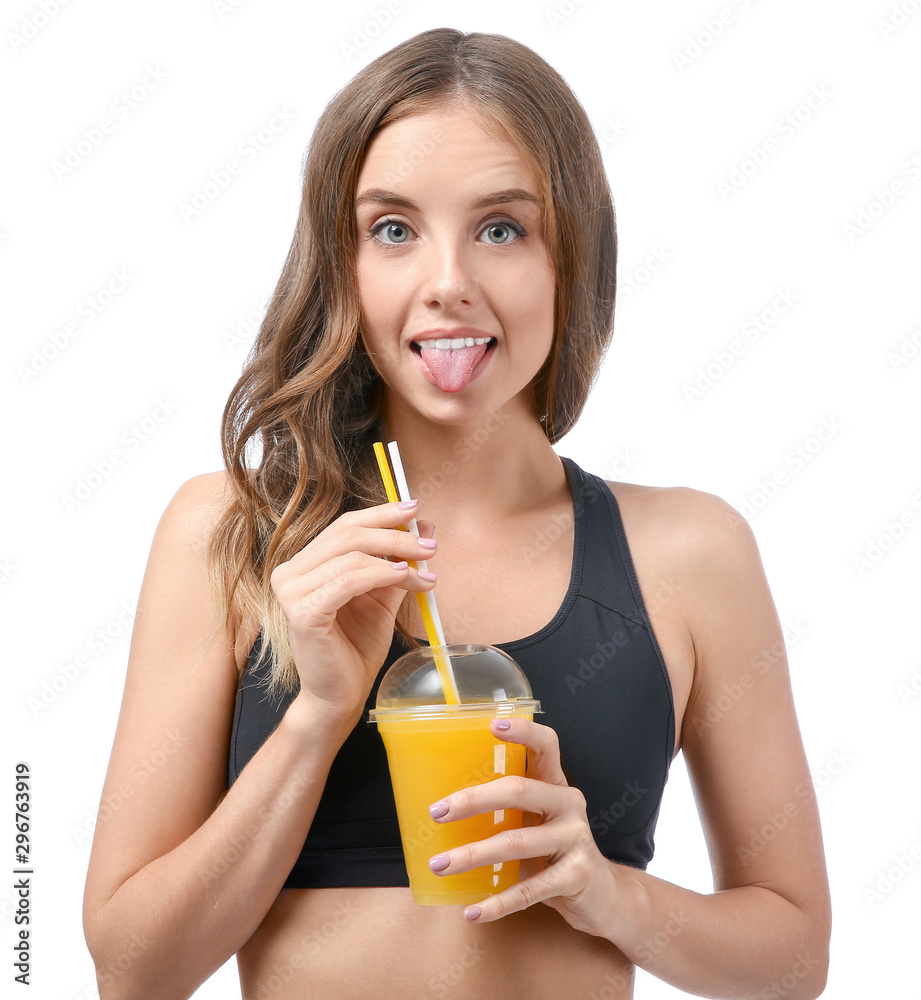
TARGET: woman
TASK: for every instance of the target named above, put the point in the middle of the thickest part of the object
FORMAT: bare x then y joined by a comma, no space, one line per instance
451,286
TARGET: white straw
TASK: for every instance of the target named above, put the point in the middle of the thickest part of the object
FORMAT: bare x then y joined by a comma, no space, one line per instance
403,489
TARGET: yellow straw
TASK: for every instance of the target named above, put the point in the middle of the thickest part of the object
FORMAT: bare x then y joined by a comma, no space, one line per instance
427,606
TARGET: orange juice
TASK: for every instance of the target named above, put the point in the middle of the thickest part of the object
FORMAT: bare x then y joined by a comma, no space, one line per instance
430,757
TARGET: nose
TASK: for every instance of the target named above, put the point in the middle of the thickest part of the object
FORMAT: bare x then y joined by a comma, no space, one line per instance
449,278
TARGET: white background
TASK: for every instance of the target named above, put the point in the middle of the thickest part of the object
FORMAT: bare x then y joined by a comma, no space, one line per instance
147,374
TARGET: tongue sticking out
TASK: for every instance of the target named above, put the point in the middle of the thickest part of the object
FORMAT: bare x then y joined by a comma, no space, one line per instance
453,369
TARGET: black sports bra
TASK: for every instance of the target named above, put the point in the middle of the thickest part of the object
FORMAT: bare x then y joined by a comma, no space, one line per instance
598,673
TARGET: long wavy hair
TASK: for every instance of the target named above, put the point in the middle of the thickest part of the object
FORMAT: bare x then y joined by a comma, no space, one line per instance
298,426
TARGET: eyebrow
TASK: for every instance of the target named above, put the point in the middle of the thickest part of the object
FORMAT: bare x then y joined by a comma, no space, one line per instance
383,197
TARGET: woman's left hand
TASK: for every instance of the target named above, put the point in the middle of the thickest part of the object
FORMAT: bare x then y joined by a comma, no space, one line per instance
561,864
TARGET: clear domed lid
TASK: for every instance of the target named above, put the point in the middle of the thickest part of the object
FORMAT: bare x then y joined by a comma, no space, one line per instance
485,676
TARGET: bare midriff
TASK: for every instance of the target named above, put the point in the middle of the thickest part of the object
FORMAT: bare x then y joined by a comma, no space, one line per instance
375,942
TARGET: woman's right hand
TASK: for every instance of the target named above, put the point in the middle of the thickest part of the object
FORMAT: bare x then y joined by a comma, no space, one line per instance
340,595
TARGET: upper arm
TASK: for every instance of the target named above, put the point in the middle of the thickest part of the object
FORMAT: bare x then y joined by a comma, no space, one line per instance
740,733
166,771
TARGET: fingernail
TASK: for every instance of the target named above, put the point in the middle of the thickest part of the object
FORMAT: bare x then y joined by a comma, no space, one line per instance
408,504
427,574
400,565
502,724
427,543
439,862
438,809
472,912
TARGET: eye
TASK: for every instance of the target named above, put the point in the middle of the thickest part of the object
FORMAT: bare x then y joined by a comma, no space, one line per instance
506,231
397,232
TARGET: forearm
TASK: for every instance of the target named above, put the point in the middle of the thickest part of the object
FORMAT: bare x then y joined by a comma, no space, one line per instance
172,924
738,943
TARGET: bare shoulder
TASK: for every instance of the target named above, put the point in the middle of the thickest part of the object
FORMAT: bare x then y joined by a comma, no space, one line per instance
697,530
189,520
692,553
196,506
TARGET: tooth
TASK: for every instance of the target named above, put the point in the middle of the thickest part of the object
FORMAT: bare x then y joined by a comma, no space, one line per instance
443,344
481,340
469,341
455,344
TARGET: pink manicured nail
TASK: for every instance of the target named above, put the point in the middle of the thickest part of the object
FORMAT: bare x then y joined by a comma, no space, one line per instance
438,809
439,862
400,565
472,912
407,504
427,574
502,724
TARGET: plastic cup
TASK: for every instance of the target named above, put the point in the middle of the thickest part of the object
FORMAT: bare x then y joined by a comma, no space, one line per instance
435,748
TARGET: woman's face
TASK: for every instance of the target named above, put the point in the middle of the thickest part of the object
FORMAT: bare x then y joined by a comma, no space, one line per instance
456,288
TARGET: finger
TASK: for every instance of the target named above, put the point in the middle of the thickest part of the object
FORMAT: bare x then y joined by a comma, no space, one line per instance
527,842
543,747
510,792
385,542
313,599
558,879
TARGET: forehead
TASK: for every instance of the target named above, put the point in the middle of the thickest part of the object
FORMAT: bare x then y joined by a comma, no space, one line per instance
458,145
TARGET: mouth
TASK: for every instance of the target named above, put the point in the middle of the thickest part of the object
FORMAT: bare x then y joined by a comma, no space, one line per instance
452,364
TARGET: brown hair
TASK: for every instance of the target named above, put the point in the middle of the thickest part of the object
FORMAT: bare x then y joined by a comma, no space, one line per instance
306,394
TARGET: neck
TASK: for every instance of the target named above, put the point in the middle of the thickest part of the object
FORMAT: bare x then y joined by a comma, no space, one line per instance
500,464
